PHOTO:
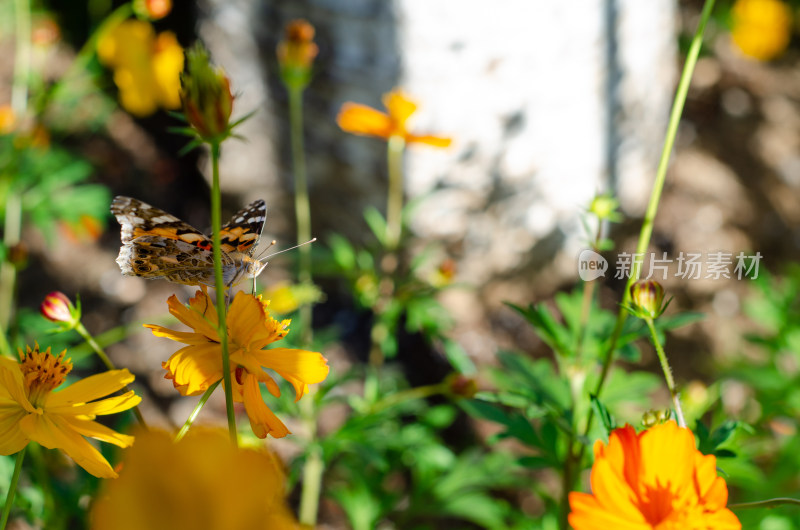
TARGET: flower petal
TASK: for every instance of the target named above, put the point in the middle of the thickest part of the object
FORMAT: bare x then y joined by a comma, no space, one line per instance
299,367
53,432
262,420
201,315
110,405
93,387
12,385
194,368
12,439
587,514
433,141
92,429
186,337
361,119
245,317
400,107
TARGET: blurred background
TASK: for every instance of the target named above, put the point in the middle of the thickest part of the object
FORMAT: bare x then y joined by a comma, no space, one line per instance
547,104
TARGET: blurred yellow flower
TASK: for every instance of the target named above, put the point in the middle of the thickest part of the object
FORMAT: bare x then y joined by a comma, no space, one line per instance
286,297
146,67
761,28
31,411
202,482
198,365
8,119
361,119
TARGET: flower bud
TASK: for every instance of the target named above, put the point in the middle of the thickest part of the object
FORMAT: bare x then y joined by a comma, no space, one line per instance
56,307
605,208
653,417
461,386
152,9
206,96
296,53
647,299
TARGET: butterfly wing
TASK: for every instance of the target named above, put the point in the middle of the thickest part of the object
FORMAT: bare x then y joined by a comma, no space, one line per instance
140,219
156,244
154,256
243,230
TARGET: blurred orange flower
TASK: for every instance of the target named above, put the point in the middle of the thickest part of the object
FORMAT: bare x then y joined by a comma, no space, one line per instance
31,411
761,28
198,365
652,480
361,119
202,482
146,67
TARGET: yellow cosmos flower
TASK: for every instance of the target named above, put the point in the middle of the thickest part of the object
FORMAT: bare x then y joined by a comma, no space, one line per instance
146,67
761,28
653,480
198,365
31,411
361,119
201,482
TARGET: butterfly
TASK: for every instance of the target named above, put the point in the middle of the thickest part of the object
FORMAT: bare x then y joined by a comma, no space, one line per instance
156,244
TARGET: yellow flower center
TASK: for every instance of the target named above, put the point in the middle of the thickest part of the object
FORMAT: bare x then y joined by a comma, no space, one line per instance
42,372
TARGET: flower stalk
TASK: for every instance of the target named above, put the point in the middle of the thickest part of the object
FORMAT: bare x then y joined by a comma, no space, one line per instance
295,55
662,358
200,404
655,196
394,205
222,328
84,333
12,489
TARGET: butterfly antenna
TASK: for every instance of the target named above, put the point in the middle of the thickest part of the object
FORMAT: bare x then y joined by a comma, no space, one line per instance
290,248
271,244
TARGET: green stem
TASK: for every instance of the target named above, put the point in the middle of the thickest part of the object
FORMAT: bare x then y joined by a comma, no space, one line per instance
769,503
196,411
12,233
302,206
5,347
394,206
83,332
12,489
313,470
655,196
87,51
22,57
420,392
222,327
314,466
662,357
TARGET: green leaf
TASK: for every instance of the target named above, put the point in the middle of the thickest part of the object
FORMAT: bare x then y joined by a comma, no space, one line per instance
545,326
603,413
458,357
376,223
343,253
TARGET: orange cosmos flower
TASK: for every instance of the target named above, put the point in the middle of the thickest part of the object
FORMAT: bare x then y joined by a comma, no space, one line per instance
202,482
198,365
31,411
653,480
361,119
